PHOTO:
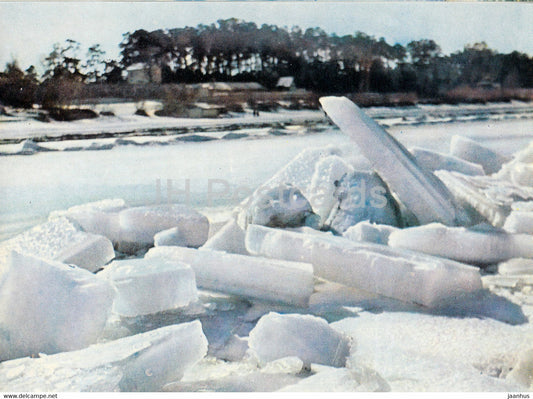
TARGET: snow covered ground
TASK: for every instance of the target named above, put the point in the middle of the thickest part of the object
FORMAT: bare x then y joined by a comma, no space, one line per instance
266,322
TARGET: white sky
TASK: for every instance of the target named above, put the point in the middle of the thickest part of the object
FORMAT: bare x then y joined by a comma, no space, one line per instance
28,30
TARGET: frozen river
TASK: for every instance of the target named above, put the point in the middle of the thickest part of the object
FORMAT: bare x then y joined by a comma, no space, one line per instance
218,173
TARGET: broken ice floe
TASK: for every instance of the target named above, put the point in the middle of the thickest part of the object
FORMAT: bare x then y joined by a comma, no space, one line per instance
520,169
143,362
49,307
519,222
392,272
139,225
516,267
433,161
253,277
230,238
474,246
370,232
307,337
60,240
146,286
417,188
471,151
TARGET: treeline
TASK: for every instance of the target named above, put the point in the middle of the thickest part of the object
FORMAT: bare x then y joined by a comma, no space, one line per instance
235,50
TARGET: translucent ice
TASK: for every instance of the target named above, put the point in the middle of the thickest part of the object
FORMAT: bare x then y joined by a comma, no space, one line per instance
49,307
143,362
147,286
310,338
464,245
370,232
170,237
248,276
471,151
230,238
432,161
417,188
139,225
60,240
391,272
519,222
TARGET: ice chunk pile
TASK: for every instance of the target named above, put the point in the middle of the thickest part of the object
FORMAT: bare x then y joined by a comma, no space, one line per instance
230,238
147,286
49,307
139,225
143,362
392,272
308,337
475,246
471,151
418,189
252,277
60,240
432,161
520,169
370,232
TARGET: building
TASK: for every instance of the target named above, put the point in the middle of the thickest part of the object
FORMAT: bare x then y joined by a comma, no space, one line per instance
142,73
286,83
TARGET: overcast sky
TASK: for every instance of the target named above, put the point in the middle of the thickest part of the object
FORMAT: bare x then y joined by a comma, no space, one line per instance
28,30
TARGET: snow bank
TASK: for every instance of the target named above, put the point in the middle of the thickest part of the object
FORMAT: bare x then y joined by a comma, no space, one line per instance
308,337
230,238
60,240
415,352
391,272
49,307
464,245
418,189
471,151
432,161
519,222
247,276
370,232
143,362
139,225
147,286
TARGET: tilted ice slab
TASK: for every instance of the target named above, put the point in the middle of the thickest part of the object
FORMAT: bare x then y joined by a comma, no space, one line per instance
416,352
488,196
100,217
310,338
60,240
230,238
471,151
392,272
432,161
520,169
49,307
247,276
146,286
519,222
139,225
464,245
143,362
370,232
418,189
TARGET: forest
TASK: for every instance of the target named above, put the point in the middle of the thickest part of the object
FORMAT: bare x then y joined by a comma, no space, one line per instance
238,51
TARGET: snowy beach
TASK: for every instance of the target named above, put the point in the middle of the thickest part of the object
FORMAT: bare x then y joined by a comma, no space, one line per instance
240,253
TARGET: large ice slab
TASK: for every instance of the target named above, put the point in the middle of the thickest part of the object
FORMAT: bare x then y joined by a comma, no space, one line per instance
49,307
432,160
370,232
146,286
362,196
139,225
310,338
230,238
418,189
416,352
248,276
392,272
60,240
464,245
490,197
100,217
472,151
143,362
